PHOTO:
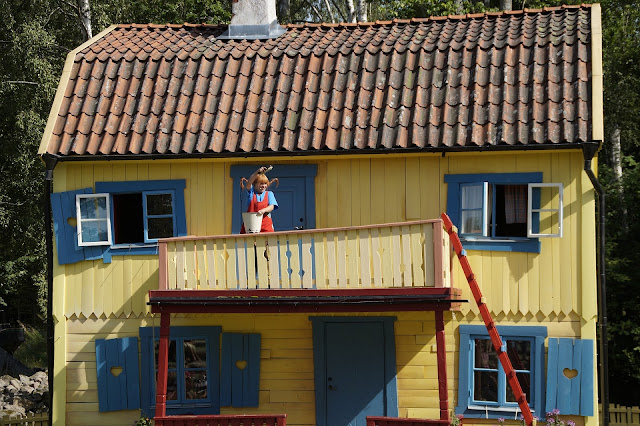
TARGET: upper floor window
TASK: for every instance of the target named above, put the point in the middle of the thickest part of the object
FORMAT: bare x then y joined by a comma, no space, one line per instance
119,218
484,390
504,212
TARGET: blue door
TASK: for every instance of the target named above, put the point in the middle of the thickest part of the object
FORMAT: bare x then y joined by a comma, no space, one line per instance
291,197
355,373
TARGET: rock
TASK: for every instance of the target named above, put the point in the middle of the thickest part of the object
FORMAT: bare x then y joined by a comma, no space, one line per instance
11,389
12,411
25,380
15,383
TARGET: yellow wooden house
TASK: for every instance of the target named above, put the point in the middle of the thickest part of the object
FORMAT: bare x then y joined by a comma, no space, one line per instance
356,306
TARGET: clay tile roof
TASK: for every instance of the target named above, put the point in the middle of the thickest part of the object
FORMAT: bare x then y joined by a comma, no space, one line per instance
520,78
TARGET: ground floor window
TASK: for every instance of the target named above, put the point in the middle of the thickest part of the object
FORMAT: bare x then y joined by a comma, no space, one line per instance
193,385
483,389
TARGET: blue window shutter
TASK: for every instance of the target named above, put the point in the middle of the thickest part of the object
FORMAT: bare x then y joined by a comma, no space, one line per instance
570,396
121,392
63,207
240,370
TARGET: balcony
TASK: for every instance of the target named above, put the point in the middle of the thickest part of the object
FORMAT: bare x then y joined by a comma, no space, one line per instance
396,255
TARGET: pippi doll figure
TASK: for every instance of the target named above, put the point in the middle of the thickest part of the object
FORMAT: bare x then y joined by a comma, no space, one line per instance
260,200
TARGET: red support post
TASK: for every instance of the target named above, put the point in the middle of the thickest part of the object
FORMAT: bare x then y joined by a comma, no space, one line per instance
163,366
442,366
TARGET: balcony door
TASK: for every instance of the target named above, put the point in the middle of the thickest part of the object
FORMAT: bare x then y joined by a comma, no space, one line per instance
295,195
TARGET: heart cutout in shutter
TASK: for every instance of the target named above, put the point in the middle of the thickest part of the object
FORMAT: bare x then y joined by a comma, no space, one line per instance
569,373
116,371
241,364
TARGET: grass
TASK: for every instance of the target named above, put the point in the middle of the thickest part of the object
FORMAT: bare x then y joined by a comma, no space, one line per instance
33,352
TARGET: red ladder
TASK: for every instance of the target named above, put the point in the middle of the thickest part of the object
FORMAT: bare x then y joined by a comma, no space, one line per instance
488,321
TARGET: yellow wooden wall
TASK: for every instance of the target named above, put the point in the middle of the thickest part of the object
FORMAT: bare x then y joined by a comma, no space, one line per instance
286,376
360,191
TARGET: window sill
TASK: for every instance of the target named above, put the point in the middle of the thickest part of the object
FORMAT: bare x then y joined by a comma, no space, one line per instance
491,412
126,250
526,245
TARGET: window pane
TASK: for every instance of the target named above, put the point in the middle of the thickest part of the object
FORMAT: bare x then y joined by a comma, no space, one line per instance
195,354
128,224
472,222
485,355
172,386
172,353
485,386
195,384
93,208
519,352
511,210
158,204
160,227
524,379
472,197
94,231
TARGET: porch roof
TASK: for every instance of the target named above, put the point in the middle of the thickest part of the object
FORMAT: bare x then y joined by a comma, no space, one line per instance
506,80
306,300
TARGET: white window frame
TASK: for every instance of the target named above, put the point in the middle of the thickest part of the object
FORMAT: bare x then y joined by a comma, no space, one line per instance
485,207
79,220
531,210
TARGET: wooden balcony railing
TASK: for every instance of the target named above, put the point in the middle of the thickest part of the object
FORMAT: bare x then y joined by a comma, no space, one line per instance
407,254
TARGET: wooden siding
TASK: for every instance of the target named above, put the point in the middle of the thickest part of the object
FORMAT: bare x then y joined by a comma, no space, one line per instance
559,281
286,376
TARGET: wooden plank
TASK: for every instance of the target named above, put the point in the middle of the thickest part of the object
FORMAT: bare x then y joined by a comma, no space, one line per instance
201,265
333,211
376,257
273,263
341,261
331,260
98,294
364,192
365,257
319,247
284,262
87,286
294,250
412,188
406,269
565,355
127,277
241,256
396,258
262,280
355,187
575,385
416,256
172,266
220,264
190,265
353,276
210,258
118,277
162,266
429,257
307,263
386,257
231,255
180,265
252,267
377,191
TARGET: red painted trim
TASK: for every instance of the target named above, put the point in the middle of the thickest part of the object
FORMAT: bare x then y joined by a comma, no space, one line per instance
163,265
400,291
237,419
396,421
199,309
303,231
163,366
442,366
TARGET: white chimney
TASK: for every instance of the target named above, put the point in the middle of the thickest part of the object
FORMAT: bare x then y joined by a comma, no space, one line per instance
253,19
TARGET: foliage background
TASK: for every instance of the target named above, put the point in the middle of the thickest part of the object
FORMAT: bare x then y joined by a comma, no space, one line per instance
36,35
